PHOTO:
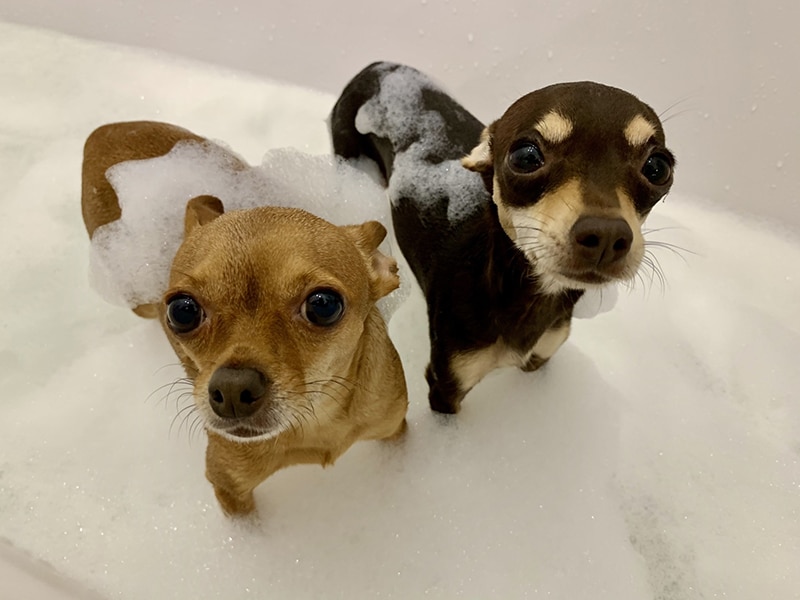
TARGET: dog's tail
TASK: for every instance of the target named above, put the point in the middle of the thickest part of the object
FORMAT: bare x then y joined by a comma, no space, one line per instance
348,141
389,109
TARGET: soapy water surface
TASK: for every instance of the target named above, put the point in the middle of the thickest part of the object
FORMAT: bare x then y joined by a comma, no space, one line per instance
656,456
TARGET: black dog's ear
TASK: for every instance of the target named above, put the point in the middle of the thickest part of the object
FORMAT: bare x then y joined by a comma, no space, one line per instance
481,159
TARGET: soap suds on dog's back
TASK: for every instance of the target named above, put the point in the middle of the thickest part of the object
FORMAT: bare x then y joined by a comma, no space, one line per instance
130,258
398,112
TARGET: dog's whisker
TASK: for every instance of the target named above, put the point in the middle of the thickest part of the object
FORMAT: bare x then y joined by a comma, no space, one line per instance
655,264
183,395
167,366
525,239
663,115
646,289
196,427
333,397
347,385
650,268
186,413
310,408
648,230
295,419
353,384
171,385
537,248
677,114
539,230
673,248
344,379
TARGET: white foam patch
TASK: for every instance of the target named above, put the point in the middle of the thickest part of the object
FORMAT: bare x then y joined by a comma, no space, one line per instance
596,301
397,112
131,257
655,456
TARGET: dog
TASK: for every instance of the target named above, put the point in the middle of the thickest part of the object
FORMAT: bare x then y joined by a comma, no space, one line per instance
272,313
506,226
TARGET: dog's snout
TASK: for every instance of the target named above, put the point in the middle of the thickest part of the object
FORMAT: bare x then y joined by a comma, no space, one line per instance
236,392
600,241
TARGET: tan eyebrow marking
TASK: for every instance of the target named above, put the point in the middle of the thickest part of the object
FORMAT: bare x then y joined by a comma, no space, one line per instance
639,130
554,127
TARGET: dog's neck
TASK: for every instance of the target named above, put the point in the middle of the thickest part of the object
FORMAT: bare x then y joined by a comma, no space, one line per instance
515,290
372,362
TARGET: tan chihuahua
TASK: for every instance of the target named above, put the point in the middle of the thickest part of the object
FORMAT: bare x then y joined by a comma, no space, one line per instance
272,313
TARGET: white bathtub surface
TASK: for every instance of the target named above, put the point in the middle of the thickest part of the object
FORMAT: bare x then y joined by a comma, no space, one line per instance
25,578
655,457
724,73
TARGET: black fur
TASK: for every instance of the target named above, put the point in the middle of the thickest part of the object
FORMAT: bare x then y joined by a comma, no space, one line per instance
479,287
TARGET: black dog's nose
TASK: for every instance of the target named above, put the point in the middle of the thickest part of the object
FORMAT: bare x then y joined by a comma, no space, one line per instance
600,241
236,393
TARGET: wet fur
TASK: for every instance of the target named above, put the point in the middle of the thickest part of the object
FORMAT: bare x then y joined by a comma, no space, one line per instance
508,276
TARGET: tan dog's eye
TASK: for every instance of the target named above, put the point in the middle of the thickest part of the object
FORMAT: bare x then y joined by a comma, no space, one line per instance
323,307
184,314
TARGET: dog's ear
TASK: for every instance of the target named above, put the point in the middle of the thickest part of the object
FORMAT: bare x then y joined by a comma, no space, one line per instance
201,210
382,269
481,159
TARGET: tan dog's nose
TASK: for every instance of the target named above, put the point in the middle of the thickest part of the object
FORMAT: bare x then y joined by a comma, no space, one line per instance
236,393
600,241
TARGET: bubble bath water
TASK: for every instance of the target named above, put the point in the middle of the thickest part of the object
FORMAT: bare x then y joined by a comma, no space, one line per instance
656,456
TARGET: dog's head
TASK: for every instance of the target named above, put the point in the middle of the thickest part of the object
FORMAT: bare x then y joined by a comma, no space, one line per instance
574,170
266,308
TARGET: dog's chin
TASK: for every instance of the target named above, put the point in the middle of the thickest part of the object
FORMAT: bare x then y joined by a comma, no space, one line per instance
245,433
561,281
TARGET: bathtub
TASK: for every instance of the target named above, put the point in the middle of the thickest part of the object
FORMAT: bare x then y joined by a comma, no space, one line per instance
723,77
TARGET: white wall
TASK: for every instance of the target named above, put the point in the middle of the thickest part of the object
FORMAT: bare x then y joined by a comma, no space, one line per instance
724,73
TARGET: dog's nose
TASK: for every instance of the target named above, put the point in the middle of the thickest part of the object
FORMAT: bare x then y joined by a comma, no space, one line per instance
600,241
234,392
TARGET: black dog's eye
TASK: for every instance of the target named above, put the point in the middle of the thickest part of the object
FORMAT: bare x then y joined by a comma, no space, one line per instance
526,158
657,169
323,307
183,313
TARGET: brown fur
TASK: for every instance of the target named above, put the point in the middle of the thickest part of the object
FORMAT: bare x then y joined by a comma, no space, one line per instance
251,272
114,143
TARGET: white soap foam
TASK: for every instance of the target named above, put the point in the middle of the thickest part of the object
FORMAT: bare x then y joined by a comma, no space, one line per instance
596,301
131,257
398,112
656,455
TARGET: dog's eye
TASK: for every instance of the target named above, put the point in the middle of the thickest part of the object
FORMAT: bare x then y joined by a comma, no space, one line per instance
183,313
526,158
657,169
323,307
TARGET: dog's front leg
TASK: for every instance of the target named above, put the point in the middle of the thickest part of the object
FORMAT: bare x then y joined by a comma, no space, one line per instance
235,469
547,345
445,394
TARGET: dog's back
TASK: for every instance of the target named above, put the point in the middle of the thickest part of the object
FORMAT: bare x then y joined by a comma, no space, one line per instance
417,134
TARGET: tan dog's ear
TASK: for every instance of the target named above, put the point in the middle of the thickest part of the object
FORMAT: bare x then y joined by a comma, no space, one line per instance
481,159
201,210
383,269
